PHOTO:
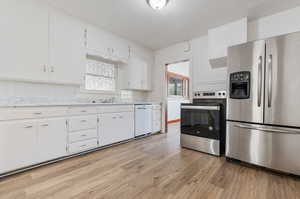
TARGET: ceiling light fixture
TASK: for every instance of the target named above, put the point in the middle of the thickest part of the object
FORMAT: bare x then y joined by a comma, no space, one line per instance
157,4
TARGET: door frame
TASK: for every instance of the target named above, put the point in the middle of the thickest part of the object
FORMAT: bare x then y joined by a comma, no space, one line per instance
166,92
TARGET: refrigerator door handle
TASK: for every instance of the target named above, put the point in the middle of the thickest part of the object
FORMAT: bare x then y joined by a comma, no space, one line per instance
270,130
270,80
259,90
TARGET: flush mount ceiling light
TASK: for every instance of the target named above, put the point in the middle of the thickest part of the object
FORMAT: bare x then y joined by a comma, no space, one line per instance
157,4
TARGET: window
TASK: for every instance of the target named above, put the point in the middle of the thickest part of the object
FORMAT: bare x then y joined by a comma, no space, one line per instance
178,85
100,76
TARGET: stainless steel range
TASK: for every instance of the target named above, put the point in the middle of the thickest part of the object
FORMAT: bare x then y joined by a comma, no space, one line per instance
203,123
264,103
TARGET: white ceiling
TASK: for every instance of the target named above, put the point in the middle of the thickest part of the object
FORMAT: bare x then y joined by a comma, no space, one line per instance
181,20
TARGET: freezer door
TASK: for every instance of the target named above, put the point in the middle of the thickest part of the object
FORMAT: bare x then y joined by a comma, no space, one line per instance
282,96
248,57
270,147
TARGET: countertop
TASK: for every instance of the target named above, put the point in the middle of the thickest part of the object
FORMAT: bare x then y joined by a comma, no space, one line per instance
8,105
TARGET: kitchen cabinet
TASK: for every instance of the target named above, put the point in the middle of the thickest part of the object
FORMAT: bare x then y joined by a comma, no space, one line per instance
18,144
67,53
116,127
106,46
156,118
52,139
220,38
24,40
40,44
135,75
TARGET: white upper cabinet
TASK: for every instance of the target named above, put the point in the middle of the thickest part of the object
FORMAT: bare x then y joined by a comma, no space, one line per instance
135,75
106,46
67,53
24,40
220,38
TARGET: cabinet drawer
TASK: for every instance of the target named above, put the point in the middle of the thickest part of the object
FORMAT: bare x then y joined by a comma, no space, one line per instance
83,146
31,113
83,135
83,123
85,110
116,109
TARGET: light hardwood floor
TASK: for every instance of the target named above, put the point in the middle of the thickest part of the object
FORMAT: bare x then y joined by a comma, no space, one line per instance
154,167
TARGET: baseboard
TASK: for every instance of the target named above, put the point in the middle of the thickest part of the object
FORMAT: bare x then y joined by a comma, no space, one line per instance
173,121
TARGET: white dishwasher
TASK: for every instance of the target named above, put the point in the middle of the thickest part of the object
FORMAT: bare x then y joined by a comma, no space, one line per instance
143,120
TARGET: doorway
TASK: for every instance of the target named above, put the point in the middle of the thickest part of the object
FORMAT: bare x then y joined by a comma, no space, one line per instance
177,90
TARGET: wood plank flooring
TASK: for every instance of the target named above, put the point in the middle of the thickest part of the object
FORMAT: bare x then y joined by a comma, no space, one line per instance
154,168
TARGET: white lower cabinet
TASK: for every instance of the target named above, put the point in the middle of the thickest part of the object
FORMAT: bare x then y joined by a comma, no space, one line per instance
116,127
18,145
156,118
52,139
83,146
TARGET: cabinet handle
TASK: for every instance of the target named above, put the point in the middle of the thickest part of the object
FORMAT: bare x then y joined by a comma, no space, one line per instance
114,117
28,127
38,113
83,111
83,135
45,125
44,68
83,121
121,117
52,69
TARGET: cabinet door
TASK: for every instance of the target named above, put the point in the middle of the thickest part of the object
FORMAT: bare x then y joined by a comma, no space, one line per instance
24,40
116,127
98,42
67,49
135,74
18,144
125,126
108,128
52,139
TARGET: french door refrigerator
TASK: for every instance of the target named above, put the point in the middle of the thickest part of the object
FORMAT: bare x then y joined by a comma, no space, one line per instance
263,117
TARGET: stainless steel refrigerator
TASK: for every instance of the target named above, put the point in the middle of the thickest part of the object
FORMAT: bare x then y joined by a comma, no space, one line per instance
263,117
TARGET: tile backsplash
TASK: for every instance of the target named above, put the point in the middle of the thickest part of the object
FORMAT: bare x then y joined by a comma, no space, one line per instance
15,92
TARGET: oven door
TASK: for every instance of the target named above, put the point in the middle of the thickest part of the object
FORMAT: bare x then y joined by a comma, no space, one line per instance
201,121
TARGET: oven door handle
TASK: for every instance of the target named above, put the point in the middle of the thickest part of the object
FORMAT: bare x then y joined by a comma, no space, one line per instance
209,108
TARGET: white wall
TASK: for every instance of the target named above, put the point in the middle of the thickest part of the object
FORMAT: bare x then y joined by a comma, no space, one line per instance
181,68
278,24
